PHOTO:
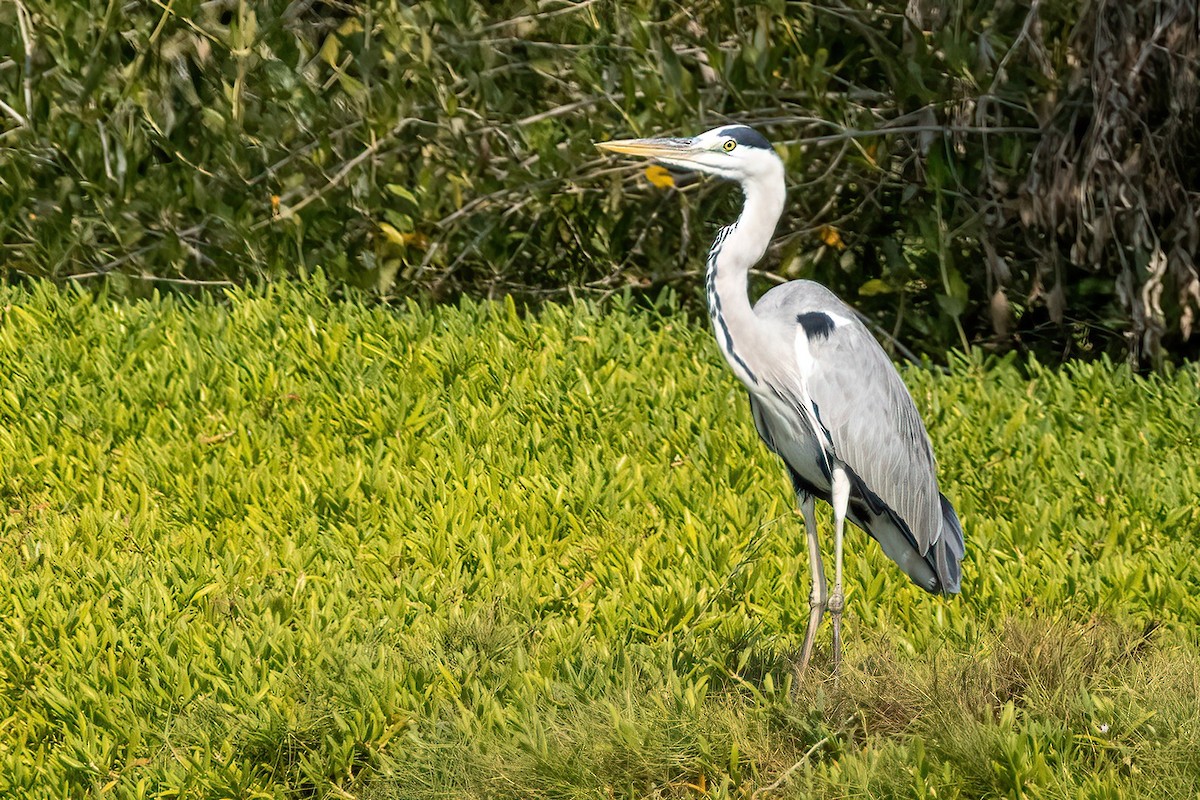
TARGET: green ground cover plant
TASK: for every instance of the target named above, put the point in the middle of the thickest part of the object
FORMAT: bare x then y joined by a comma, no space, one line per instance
276,545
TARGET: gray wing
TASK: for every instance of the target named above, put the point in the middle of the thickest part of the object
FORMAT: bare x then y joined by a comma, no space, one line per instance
875,428
866,410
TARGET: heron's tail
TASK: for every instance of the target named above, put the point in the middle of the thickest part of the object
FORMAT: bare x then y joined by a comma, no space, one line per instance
946,554
938,570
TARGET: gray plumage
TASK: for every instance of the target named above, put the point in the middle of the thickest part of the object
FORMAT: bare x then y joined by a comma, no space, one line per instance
869,421
824,395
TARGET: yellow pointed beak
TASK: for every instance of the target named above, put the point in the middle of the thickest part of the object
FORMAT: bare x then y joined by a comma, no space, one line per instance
650,148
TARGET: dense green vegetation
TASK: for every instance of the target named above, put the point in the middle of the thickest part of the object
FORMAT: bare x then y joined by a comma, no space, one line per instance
281,546
1008,174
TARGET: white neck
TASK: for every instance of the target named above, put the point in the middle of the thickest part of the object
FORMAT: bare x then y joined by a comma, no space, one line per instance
737,249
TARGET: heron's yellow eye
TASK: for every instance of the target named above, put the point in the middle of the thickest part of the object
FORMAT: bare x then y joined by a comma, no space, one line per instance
729,145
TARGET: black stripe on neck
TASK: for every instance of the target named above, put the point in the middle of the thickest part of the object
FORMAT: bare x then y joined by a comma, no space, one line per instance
714,306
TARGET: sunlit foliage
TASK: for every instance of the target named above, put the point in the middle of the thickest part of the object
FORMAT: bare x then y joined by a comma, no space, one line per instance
280,545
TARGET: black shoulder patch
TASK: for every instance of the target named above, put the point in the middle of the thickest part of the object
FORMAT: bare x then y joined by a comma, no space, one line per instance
748,137
815,323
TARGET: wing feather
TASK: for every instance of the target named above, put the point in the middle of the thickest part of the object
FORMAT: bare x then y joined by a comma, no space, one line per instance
874,426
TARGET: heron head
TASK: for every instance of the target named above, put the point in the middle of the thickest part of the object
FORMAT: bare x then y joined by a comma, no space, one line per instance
733,152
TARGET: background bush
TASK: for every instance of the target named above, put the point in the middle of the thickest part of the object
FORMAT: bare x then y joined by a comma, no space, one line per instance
998,173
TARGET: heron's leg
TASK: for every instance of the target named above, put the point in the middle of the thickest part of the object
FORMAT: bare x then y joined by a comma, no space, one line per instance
819,594
837,600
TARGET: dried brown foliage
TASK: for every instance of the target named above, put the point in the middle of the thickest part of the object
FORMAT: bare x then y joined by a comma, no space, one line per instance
1113,188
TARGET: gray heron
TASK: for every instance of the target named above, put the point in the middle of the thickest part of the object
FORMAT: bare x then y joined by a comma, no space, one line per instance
824,395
